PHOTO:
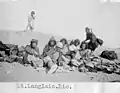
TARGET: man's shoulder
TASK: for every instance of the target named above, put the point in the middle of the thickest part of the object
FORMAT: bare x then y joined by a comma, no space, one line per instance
27,46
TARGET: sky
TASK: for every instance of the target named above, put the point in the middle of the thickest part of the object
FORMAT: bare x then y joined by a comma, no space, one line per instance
66,18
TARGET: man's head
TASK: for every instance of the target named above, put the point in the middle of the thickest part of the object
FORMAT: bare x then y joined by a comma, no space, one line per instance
83,46
34,43
32,12
87,30
73,53
64,41
76,42
52,42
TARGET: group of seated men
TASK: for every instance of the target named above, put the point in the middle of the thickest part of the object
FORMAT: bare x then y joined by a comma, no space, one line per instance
65,55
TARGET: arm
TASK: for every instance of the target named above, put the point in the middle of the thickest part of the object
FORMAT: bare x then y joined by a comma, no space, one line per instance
87,40
45,50
90,37
37,53
28,50
93,37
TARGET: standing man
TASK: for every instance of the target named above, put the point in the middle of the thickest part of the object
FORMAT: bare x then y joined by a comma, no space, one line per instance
90,36
31,19
91,39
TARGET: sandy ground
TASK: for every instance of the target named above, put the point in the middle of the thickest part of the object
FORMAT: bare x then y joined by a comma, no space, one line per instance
16,72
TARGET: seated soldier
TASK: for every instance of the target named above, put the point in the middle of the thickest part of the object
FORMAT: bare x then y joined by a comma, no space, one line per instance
65,46
74,63
72,48
63,61
13,54
74,45
77,43
50,47
50,55
84,52
86,56
32,55
50,50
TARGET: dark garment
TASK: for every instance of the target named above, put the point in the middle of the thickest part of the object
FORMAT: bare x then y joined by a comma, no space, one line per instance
90,36
72,42
110,55
92,45
48,51
3,47
100,41
45,50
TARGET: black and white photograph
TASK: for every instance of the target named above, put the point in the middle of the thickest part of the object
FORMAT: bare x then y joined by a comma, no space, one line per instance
59,41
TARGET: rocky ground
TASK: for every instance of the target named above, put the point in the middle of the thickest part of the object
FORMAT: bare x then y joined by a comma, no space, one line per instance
14,72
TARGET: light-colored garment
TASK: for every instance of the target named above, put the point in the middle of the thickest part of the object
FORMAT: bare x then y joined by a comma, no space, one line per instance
47,59
30,25
35,60
59,45
32,58
29,54
30,19
75,62
51,67
54,57
72,48
66,60
77,56
85,53
65,50
78,47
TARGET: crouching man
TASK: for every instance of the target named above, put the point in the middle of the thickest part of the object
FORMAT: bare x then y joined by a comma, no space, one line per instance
32,55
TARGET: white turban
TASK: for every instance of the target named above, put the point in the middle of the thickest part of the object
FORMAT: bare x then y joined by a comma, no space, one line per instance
72,48
59,44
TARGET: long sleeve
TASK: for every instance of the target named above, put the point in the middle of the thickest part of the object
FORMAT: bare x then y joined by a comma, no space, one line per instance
45,50
37,50
29,50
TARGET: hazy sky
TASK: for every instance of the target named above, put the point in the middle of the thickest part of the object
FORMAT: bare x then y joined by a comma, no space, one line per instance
65,17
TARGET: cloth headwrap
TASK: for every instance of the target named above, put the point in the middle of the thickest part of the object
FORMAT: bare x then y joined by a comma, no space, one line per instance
34,41
52,38
72,48
59,44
